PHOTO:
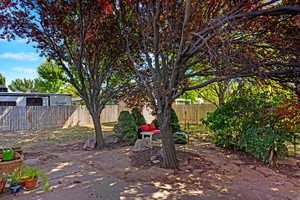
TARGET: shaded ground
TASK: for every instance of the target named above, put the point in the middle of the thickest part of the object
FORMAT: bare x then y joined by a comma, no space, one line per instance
206,172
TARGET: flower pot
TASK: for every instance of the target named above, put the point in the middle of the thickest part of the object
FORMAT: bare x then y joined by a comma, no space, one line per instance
30,183
2,184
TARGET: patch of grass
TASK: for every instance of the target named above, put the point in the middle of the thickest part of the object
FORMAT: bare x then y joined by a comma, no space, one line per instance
56,136
291,147
108,126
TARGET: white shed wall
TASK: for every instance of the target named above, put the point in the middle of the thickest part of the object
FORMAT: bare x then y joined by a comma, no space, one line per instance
21,101
60,100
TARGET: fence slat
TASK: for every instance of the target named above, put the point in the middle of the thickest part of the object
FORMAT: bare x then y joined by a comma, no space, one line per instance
42,117
192,113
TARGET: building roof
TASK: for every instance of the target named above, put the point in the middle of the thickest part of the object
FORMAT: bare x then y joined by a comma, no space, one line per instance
31,94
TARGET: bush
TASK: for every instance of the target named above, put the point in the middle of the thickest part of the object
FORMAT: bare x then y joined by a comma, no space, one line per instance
268,144
126,128
155,122
174,122
138,117
247,123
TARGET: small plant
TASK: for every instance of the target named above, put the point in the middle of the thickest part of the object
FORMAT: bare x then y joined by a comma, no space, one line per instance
138,117
31,175
15,176
27,174
126,129
179,139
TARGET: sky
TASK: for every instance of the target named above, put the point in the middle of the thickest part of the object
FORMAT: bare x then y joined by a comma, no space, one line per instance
18,60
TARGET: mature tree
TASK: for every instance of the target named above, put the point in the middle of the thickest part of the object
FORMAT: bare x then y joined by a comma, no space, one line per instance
215,93
51,77
84,37
22,85
219,92
180,40
2,80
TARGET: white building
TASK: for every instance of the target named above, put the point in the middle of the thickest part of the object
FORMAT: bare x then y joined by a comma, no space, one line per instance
33,99
189,101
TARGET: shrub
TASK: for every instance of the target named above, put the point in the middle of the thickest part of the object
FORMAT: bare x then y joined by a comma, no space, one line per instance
126,128
138,117
155,122
268,144
174,122
246,122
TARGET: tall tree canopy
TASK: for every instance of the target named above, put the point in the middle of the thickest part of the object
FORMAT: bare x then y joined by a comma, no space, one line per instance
214,40
22,85
83,36
51,77
2,80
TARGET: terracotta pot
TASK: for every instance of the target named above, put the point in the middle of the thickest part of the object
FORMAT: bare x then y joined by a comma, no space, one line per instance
30,183
2,184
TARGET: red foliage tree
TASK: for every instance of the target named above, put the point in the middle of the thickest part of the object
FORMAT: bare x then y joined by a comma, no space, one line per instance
83,36
180,40
289,113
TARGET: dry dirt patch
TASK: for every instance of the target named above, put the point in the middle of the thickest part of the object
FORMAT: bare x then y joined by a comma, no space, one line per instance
205,173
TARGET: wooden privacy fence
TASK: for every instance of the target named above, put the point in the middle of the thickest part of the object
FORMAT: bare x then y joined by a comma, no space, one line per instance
14,118
81,116
193,113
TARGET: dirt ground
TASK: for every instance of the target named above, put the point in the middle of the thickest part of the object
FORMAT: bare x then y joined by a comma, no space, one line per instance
206,173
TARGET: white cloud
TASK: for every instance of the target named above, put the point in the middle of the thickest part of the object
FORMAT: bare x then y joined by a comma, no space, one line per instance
21,56
16,40
24,70
21,41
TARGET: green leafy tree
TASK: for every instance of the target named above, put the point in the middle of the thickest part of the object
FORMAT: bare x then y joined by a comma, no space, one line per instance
85,38
22,85
51,79
192,95
138,117
2,80
126,128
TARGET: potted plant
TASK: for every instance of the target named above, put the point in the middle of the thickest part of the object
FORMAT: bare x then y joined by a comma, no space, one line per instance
15,178
30,176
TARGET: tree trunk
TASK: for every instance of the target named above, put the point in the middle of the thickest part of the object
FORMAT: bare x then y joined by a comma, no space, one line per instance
100,144
222,86
169,151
